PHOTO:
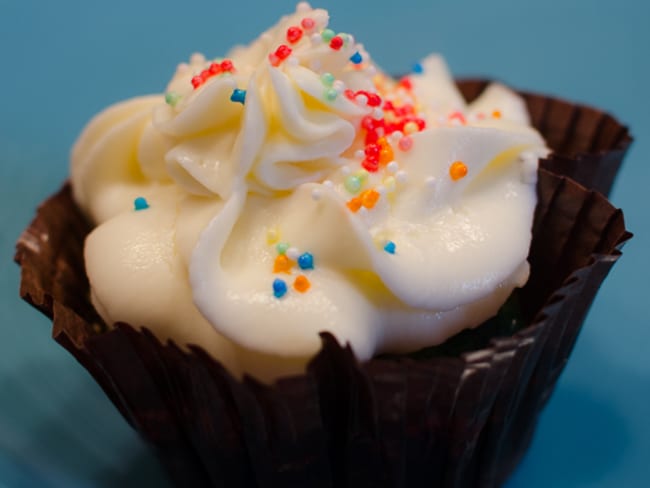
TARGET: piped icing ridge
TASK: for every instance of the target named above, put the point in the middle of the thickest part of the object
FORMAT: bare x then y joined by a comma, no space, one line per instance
292,187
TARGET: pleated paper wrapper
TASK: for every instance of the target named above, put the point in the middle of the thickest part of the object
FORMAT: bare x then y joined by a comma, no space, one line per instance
440,419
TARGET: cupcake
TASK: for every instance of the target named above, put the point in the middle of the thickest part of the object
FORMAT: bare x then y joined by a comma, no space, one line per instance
294,269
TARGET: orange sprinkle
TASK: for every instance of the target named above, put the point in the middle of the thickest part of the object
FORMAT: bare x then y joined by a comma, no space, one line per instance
301,283
496,114
354,204
369,198
282,264
457,170
386,154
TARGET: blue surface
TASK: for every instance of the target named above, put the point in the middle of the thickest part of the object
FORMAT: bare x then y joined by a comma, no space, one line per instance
62,61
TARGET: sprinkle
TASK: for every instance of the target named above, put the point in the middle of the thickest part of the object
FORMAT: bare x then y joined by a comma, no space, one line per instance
410,127
345,170
227,66
381,189
282,264
316,39
331,94
238,96
316,194
336,43
327,79
279,288
294,34
405,143
303,7
328,184
327,35
293,253
281,53
301,284
307,23
457,170
306,261
356,58
386,152
339,86
359,154
282,247
172,98
430,182
417,68
496,114
389,183
272,236
401,176
392,167
369,198
353,184
354,204
457,116
370,165
140,203
215,68
390,247
197,81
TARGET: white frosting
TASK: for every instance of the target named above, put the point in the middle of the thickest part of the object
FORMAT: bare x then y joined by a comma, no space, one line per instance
424,257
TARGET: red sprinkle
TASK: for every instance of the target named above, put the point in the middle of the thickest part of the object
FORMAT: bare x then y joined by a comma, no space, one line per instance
336,43
215,68
197,81
226,65
349,94
406,83
371,166
459,116
280,54
307,23
294,34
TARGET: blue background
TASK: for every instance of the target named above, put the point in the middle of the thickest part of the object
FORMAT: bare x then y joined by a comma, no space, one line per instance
62,61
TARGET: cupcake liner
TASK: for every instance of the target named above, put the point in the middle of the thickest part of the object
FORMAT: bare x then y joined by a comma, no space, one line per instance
412,420
588,144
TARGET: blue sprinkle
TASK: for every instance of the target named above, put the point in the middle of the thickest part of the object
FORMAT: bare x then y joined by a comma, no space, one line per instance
238,96
356,58
279,288
306,261
417,68
390,247
140,203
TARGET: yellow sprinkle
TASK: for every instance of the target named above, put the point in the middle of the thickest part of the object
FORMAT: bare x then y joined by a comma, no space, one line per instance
410,128
272,236
389,183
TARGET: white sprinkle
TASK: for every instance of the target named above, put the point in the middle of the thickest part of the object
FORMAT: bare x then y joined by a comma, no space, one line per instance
363,211
339,86
371,70
293,253
377,113
316,39
328,184
361,99
359,154
430,181
292,61
379,131
392,167
401,176
345,170
396,136
381,189
316,194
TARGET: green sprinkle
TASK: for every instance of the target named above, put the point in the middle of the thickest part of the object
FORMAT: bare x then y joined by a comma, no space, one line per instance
362,174
353,184
331,94
172,98
327,35
327,79
282,247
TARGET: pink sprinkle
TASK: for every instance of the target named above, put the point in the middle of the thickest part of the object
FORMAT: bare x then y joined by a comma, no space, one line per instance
405,143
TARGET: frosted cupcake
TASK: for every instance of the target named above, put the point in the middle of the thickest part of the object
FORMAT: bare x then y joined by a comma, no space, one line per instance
291,197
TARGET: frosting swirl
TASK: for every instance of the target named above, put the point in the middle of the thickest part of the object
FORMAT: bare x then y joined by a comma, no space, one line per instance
292,187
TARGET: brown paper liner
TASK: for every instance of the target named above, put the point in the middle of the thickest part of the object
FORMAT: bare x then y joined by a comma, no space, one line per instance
453,421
